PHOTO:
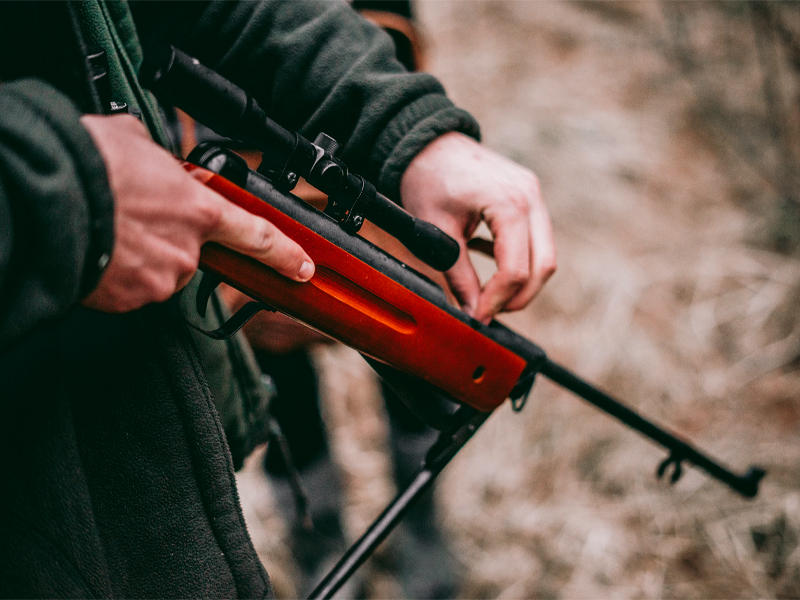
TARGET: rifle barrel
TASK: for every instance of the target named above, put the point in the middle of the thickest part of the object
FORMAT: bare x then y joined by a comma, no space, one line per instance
679,450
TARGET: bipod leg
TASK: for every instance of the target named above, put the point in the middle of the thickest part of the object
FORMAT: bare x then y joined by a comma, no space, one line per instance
445,448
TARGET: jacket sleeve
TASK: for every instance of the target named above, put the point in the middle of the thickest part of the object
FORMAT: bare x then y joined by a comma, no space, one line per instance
316,65
56,209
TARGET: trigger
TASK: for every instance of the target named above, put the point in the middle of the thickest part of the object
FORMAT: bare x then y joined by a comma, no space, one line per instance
208,283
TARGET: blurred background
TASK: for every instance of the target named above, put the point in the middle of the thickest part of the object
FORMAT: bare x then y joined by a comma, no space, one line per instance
666,136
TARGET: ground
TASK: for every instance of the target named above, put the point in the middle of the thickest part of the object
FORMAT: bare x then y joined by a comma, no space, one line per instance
665,136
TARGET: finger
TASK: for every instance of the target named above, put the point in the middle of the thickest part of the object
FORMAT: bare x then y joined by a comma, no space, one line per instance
544,248
464,282
254,236
543,256
512,251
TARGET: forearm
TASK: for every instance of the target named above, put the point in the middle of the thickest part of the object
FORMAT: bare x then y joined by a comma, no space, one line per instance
56,211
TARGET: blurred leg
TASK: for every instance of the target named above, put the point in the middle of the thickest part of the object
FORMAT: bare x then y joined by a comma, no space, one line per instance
298,413
427,568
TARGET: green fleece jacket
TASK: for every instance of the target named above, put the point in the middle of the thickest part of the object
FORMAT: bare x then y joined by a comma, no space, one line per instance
115,475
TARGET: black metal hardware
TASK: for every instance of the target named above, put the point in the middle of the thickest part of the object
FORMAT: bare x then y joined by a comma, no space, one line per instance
181,81
680,451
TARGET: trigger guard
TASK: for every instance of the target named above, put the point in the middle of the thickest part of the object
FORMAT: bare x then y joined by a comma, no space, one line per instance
235,323
208,283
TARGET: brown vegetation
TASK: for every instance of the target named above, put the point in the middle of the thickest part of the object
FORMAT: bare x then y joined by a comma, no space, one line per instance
666,137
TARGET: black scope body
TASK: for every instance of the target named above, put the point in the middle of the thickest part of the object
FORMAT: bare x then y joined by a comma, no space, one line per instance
209,98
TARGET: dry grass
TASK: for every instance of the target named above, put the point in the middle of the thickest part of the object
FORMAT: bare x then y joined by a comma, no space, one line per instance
648,126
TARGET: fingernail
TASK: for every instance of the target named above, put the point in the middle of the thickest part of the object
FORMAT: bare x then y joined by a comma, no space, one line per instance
469,309
306,271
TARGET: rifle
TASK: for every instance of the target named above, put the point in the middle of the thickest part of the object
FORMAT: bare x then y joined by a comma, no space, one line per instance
449,369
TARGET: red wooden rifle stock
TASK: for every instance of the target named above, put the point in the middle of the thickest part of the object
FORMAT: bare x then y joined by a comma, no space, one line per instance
372,302
354,303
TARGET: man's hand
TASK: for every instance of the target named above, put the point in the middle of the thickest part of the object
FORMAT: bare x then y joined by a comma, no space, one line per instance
455,183
163,215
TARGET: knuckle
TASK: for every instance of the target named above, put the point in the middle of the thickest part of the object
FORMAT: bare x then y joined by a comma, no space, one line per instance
519,202
161,287
188,261
165,290
210,214
533,183
529,179
517,277
546,266
549,267
265,238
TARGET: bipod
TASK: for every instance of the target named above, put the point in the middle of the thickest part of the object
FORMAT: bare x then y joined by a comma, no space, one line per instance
467,421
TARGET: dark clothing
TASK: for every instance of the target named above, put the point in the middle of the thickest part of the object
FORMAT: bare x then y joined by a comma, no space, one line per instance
116,477
117,481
